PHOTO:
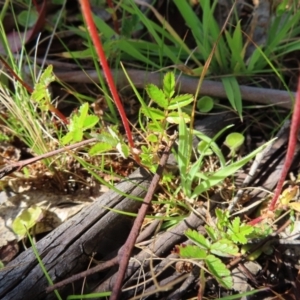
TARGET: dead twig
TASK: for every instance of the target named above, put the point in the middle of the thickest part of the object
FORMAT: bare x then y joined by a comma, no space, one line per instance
125,251
8,169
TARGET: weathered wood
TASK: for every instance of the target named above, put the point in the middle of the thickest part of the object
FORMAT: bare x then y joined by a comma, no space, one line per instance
66,250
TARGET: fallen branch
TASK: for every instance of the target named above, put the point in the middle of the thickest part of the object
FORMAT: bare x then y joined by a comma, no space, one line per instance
186,84
10,168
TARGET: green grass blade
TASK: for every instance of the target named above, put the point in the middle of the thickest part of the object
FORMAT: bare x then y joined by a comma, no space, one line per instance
233,93
220,175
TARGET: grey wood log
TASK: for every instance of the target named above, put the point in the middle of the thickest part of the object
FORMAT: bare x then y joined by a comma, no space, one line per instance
66,250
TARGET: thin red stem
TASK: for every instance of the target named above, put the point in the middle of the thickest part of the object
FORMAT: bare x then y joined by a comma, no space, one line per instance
295,124
86,11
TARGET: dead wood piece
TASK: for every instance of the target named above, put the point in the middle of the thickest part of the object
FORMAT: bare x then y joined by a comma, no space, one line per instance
161,247
125,252
186,85
66,250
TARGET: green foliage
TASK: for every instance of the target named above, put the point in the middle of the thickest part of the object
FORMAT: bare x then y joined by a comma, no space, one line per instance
26,220
27,18
41,93
167,111
109,140
206,251
234,141
205,104
79,123
194,182
223,240
229,59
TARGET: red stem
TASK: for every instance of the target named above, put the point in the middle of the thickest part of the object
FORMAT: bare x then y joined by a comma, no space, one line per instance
86,11
295,124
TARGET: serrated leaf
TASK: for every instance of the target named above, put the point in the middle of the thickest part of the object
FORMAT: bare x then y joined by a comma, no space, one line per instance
157,95
212,232
100,148
83,111
169,85
47,76
153,127
180,101
38,95
90,122
106,138
198,238
77,135
225,248
153,113
26,220
222,218
239,231
174,117
219,271
192,251
67,138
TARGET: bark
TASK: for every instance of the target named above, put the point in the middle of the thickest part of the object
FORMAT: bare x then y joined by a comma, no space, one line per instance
67,249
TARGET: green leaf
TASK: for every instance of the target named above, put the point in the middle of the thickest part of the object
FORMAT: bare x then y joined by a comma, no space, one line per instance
205,104
219,270
239,231
183,155
234,140
123,150
197,238
67,138
47,76
204,148
169,85
77,135
222,218
89,122
100,148
106,138
180,101
212,232
191,251
174,117
157,95
225,248
83,112
27,19
220,175
233,93
26,220
153,113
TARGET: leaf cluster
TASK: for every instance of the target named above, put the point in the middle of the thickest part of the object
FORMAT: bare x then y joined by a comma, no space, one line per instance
222,240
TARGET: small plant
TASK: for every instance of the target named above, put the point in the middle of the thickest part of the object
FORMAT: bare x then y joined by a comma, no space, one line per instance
160,117
223,240
79,123
205,104
234,141
193,181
